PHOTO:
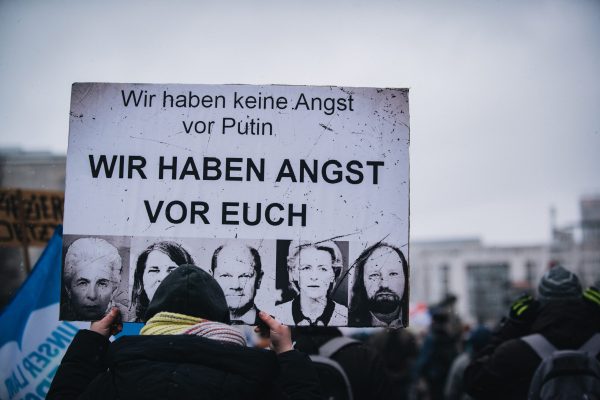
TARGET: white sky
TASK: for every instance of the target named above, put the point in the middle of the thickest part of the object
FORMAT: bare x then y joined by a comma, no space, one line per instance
505,95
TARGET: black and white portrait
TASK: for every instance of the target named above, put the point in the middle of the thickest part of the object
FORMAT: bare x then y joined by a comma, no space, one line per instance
91,280
313,271
152,265
237,267
380,289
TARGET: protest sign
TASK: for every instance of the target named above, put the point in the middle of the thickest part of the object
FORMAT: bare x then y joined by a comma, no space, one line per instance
29,216
295,198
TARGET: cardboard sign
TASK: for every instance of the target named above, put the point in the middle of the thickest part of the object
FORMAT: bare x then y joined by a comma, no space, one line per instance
29,216
295,198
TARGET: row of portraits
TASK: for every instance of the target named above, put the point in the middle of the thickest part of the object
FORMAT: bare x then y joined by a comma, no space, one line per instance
322,283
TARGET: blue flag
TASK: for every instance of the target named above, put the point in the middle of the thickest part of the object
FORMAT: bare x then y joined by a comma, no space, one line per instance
32,339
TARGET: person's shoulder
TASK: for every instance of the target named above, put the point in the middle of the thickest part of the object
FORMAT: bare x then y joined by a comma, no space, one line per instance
515,354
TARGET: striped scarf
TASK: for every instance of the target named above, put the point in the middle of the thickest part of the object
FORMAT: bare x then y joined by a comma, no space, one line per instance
168,323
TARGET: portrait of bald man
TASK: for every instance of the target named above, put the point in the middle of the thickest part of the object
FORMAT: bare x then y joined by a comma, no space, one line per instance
380,289
237,268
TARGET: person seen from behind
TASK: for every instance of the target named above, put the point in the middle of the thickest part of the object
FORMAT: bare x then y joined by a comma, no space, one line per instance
436,355
562,314
477,340
361,363
398,349
187,349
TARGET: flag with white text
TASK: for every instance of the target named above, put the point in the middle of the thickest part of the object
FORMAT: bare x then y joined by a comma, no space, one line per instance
32,339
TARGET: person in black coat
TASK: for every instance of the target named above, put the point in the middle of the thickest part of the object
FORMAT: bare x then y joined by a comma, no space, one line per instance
187,349
564,315
361,363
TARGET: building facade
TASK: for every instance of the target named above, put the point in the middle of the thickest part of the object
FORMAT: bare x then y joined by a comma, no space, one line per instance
578,244
486,279
483,278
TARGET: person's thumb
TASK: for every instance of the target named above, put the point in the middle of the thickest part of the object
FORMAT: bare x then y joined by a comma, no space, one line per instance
104,326
271,322
112,316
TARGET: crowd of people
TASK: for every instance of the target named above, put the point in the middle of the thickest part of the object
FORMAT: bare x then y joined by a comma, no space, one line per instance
188,348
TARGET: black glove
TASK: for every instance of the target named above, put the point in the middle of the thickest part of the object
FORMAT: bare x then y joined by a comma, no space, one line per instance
520,316
524,309
591,295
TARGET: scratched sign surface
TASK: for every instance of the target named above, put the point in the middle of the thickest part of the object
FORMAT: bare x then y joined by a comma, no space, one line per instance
295,198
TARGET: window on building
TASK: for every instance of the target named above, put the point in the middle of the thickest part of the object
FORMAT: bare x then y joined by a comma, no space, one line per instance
445,279
530,273
488,289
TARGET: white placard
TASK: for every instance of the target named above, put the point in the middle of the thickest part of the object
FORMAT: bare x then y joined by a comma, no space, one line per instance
269,167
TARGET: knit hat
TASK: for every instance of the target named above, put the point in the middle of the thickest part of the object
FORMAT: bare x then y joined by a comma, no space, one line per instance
559,284
191,291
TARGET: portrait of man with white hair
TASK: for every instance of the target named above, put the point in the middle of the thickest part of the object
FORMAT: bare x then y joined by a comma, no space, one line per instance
91,275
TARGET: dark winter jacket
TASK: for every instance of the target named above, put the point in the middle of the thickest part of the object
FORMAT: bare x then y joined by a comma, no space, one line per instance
504,369
179,367
435,359
361,363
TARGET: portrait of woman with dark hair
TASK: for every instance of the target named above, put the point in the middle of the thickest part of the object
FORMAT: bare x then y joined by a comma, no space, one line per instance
153,265
314,269
380,289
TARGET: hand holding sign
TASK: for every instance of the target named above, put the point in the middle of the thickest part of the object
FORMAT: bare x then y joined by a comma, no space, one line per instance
109,325
281,336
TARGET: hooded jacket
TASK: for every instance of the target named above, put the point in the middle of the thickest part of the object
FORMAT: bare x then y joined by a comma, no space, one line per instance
181,366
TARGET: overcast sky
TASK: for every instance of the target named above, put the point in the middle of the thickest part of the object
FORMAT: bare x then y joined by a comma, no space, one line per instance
504,95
